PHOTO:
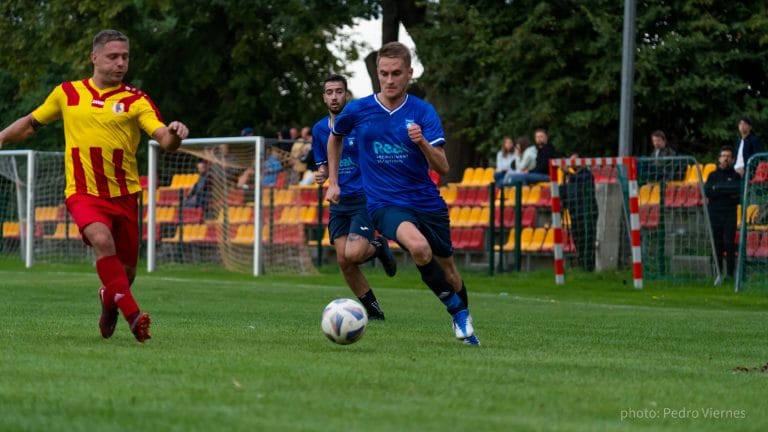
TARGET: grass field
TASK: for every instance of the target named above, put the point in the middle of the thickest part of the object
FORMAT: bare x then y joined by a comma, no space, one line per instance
231,352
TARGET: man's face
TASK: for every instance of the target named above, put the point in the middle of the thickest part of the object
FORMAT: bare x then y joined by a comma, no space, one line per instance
393,77
725,160
541,138
744,128
334,96
658,142
110,62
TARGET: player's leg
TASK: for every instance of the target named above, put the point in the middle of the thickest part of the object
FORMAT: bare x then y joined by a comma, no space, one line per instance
401,224
349,254
729,245
361,246
126,236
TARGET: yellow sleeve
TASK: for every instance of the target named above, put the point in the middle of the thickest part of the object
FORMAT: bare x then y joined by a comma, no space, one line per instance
50,110
149,116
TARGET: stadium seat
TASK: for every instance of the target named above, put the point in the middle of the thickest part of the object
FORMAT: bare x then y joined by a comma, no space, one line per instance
191,215
568,245
235,197
169,197
762,249
652,218
545,197
529,217
753,242
761,173
548,245
11,230
693,196
644,194
482,196
535,241
708,169
449,194
244,235
308,215
467,177
65,231
507,218
531,198
473,239
509,244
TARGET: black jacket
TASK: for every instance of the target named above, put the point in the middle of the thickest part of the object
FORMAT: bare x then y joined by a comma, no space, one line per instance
723,190
752,145
543,155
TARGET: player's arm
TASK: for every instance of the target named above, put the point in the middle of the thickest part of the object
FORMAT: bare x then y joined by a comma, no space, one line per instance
435,154
19,130
334,155
170,137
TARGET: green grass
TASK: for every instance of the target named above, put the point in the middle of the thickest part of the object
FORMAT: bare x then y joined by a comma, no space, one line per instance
232,352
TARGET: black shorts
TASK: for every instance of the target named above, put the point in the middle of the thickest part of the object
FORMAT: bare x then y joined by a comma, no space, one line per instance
350,215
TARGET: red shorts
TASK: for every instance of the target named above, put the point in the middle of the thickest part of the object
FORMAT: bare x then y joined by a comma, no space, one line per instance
120,214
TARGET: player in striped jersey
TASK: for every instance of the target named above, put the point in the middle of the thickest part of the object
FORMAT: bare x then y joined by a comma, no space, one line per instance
103,118
400,137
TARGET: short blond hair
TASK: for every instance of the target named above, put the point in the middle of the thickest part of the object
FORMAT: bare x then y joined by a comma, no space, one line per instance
105,36
395,50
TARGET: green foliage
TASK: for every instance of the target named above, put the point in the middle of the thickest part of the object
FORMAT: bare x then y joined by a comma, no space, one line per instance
508,67
216,65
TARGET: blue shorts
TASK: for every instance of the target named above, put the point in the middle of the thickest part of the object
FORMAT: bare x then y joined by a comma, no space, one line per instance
350,215
434,226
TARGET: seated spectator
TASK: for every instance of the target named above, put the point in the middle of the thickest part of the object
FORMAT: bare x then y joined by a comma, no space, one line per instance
200,192
269,171
540,172
506,159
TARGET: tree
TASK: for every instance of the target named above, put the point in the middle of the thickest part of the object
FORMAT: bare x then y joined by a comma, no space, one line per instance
216,65
503,68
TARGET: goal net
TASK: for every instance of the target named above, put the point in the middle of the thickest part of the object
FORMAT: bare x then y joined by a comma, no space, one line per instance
202,206
676,233
752,258
595,218
35,223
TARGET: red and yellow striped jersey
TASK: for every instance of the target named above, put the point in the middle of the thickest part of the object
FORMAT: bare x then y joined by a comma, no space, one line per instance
101,130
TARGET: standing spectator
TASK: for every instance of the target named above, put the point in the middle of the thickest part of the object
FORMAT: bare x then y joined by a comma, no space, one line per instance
540,172
723,189
400,137
660,146
103,119
349,226
506,159
299,151
748,144
579,199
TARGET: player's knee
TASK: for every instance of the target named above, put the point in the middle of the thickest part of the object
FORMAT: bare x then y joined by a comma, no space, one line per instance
420,252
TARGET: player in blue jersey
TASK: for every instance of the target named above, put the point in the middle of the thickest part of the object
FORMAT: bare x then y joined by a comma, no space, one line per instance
349,225
400,137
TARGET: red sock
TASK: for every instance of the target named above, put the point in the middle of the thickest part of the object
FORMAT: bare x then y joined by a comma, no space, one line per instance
116,286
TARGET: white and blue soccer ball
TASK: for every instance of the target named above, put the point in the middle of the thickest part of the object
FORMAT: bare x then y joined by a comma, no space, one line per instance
344,321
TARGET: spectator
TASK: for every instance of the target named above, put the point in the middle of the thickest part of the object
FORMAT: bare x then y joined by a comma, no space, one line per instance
748,144
660,146
528,153
506,159
723,189
200,192
540,172
299,151
269,171
579,200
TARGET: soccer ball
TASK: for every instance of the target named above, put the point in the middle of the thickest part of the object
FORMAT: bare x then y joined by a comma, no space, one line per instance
344,321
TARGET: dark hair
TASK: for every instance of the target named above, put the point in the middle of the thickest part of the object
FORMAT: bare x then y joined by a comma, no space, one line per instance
395,50
728,148
524,142
746,120
335,78
660,134
105,36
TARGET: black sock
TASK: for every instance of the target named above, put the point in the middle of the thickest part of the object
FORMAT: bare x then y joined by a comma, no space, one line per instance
434,276
371,304
463,294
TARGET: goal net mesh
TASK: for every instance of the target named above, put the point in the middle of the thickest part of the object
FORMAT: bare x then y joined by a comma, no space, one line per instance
205,208
752,257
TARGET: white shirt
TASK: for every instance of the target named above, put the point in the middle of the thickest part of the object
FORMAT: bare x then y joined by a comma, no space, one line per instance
740,156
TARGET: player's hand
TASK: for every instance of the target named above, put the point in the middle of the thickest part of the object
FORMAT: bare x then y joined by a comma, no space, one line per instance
414,133
179,129
321,174
332,194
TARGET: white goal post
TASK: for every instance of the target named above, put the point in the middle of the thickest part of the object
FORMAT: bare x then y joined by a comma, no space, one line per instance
154,149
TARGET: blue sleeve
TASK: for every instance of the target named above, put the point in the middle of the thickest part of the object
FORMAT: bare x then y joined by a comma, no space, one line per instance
432,128
345,121
320,145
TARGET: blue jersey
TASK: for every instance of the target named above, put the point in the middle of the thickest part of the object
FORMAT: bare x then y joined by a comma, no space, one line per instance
350,181
395,171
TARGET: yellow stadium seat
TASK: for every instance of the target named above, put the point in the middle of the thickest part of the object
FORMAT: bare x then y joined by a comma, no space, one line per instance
509,245
536,240
468,177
